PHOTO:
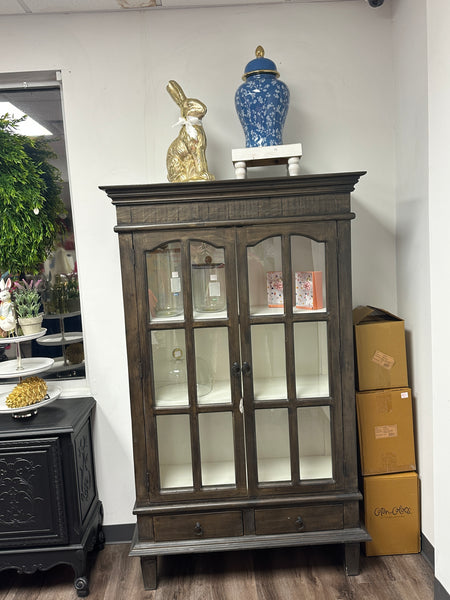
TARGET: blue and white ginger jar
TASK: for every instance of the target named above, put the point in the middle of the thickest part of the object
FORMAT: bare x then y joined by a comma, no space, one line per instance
262,102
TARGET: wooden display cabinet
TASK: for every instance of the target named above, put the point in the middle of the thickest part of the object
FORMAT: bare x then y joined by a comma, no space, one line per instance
242,399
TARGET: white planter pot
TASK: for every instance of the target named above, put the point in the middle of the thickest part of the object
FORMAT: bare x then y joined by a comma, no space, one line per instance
30,324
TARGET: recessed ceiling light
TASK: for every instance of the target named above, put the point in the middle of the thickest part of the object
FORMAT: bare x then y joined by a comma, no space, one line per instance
27,127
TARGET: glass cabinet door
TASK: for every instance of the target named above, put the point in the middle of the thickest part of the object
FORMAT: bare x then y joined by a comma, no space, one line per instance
192,339
240,383
291,389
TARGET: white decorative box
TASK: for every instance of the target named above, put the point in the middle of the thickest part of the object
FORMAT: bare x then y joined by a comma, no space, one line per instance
308,290
275,289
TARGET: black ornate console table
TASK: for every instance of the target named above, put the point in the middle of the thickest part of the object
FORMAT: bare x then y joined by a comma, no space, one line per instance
50,513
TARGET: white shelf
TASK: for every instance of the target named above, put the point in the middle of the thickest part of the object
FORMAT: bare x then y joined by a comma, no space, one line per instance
57,339
52,394
274,469
169,396
213,473
60,366
312,386
62,315
273,388
316,467
207,316
220,394
30,366
223,473
307,386
18,339
175,476
264,310
174,319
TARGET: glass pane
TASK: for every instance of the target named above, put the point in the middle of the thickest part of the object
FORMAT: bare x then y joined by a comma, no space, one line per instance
268,360
212,365
264,277
216,448
314,442
165,295
169,368
272,445
311,359
208,281
174,451
308,266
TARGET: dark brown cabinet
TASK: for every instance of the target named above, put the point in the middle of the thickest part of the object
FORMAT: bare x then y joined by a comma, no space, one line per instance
49,508
238,314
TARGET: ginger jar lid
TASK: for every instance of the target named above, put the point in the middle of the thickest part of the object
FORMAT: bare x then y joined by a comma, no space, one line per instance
260,64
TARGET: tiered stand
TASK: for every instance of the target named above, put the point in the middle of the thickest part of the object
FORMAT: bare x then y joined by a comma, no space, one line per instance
23,367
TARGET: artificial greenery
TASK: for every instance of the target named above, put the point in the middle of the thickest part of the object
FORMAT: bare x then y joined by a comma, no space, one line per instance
27,298
30,200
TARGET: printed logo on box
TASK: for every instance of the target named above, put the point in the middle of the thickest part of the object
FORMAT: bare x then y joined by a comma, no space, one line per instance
395,511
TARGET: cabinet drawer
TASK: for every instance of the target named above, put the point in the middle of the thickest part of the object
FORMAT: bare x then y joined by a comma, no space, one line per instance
197,526
296,519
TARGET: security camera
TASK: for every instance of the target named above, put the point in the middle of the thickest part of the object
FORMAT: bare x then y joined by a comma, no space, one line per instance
375,3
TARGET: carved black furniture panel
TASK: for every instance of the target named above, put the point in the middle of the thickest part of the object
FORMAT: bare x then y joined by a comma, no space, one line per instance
31,493
49,508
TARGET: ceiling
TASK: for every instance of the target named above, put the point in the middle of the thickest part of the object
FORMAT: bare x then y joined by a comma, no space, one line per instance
24,7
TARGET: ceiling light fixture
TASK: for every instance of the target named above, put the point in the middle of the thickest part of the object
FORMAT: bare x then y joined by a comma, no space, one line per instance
28,126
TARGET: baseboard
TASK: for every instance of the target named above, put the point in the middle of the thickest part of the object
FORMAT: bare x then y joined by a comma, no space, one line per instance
428,551
439,592
118,534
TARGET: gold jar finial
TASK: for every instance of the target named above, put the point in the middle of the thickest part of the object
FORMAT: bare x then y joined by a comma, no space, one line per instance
259,52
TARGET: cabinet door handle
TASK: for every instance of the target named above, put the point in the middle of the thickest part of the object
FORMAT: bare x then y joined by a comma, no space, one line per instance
246,368
235,369
198,529
300,524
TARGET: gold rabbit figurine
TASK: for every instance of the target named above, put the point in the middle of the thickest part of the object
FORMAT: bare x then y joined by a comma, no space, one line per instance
186,156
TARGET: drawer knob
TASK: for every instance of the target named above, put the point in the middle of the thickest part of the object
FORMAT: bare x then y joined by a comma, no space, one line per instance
198,529
300,524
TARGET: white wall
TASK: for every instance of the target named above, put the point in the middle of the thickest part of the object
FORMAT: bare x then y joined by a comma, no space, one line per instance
413,255
336,59
439,135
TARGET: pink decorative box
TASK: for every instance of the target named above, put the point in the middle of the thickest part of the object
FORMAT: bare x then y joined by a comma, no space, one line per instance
275,289
308,289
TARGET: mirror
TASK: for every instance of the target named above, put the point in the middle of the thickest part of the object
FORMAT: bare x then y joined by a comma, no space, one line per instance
63,338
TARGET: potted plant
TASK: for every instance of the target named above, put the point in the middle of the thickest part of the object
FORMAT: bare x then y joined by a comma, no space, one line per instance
27,305
30,200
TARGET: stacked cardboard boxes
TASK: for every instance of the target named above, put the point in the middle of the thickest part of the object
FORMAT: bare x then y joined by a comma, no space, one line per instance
386,434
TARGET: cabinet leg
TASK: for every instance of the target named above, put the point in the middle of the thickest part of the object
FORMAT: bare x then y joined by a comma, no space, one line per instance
81,586
352,553
149,572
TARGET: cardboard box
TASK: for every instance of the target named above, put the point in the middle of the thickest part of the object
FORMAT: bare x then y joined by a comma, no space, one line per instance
308,290
386,433
380,349
392,514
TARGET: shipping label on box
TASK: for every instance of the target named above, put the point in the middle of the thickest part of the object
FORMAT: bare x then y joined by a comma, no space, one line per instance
386,434
380,349
275,297
308,290
392,514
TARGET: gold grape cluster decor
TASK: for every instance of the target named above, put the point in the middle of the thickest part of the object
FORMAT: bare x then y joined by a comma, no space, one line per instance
29,391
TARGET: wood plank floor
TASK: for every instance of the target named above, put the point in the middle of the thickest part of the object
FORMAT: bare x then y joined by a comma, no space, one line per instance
281,574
